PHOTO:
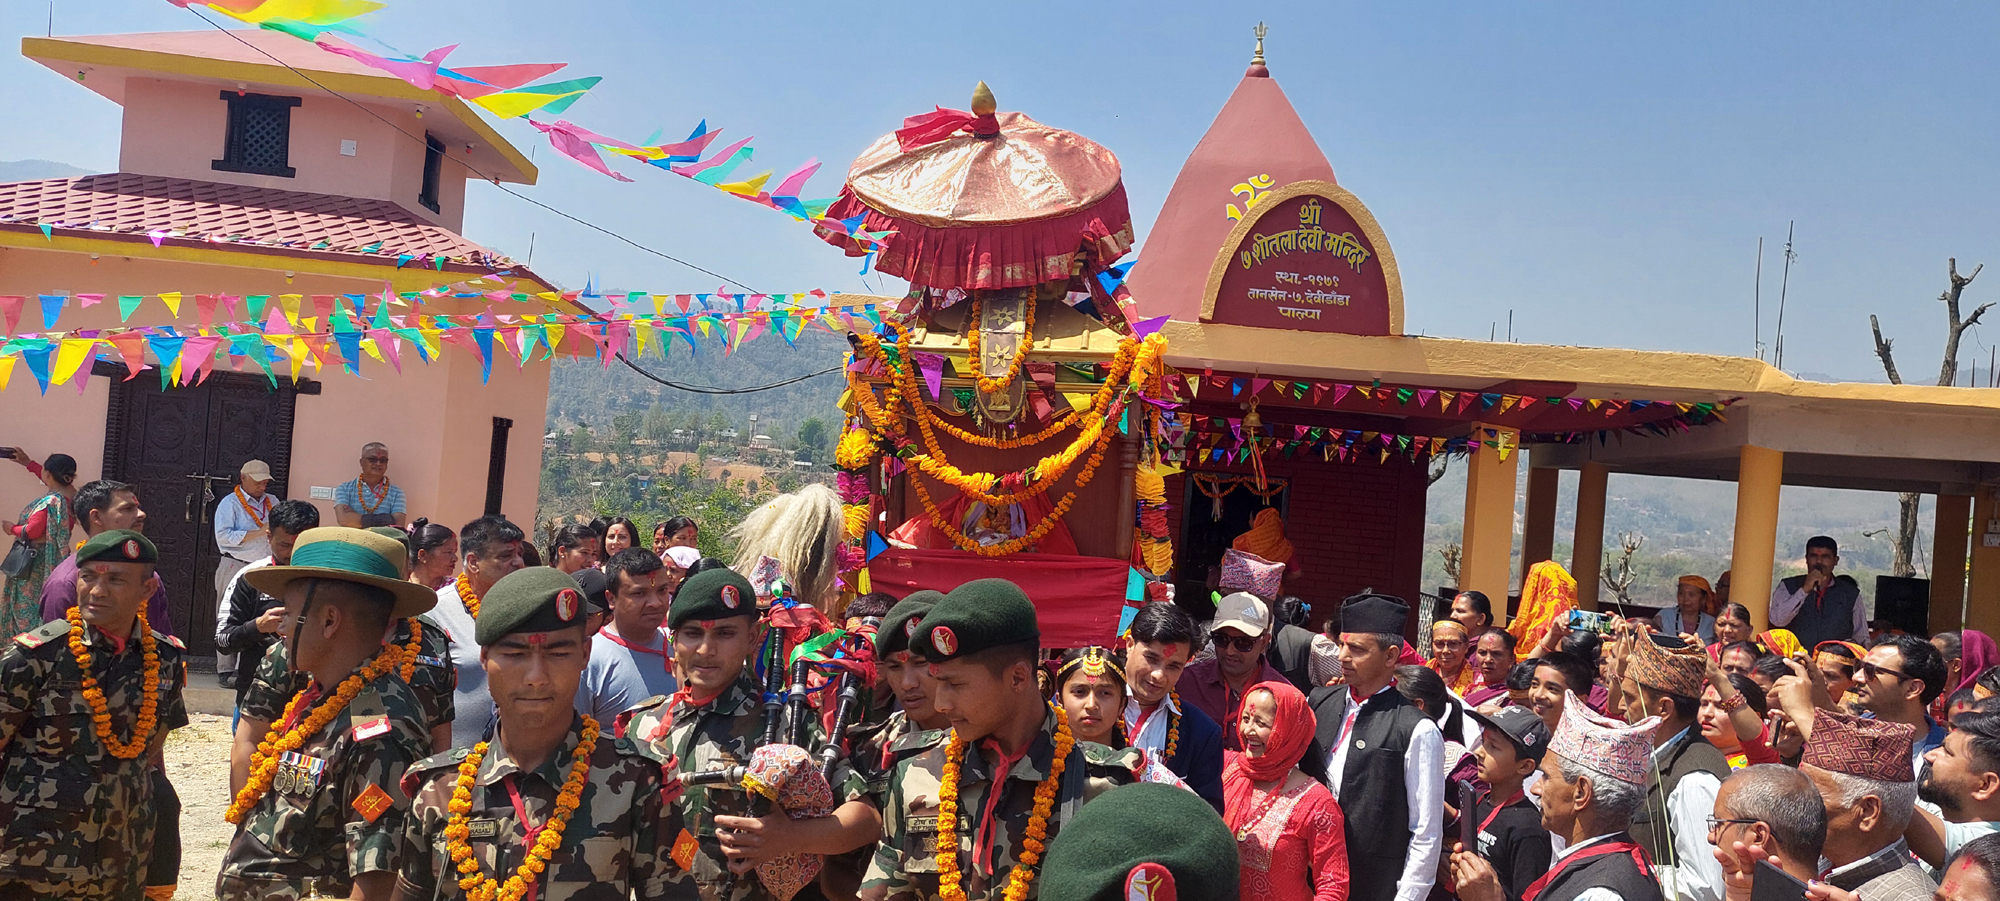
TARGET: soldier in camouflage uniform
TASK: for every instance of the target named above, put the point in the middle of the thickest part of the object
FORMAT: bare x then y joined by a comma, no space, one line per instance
76,820
878,747
983,641
333,809
434,679
714,722
534,650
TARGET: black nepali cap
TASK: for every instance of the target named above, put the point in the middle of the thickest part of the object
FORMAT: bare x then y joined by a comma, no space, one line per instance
1377,614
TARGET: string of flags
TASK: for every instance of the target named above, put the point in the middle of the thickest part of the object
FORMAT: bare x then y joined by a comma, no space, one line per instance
1446,401
510,92
339,330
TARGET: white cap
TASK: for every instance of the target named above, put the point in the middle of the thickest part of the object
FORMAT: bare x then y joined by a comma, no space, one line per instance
257,469
1244,612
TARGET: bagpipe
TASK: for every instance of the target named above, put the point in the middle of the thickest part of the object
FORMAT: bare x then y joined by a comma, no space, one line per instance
811,673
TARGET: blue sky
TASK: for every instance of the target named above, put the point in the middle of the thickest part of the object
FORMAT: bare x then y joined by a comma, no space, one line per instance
1602,171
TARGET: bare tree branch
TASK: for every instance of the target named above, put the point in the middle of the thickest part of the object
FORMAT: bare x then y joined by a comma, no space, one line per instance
1882,350
1948,370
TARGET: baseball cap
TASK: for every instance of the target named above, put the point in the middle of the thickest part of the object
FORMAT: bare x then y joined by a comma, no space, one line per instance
1522,726
257,469
1244,612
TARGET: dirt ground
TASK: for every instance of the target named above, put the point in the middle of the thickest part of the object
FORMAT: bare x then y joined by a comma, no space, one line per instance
198,764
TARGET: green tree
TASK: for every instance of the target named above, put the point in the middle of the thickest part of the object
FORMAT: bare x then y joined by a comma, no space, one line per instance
813,439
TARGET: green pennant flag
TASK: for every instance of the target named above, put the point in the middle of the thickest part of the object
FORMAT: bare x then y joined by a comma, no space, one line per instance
1403,395
257,303
127,305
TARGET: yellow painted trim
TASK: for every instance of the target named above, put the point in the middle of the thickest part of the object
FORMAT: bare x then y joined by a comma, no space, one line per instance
405,279
1339,196
371,86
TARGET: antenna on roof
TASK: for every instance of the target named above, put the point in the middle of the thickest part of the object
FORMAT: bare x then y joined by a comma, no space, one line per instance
1778,352
52,18
1757,304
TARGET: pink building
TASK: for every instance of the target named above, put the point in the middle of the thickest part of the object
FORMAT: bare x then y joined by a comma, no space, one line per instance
268,185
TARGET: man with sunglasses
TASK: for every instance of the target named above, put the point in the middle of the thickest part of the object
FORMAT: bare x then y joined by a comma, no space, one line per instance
1899,679
1241,632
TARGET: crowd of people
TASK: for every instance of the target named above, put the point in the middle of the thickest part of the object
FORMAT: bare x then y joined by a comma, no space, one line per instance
425,712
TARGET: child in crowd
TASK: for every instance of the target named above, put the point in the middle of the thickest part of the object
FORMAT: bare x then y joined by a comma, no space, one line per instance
1513,849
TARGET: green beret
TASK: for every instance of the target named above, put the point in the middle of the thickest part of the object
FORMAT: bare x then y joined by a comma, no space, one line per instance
901,621
536,599
717,593
976,616
118,546
1139,841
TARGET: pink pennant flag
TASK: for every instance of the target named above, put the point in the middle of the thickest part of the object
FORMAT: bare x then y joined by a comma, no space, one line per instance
932,366
1424,396
86,301
796,182
1257,386
1340,390
495,78
10,306
421,73
390,346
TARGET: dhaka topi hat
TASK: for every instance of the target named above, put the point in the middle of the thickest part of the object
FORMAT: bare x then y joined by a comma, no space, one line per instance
1871,749
1676,671
712,594
348,555
117,546
1376,614
902,620
535,599
1143,842
980,615
1619,750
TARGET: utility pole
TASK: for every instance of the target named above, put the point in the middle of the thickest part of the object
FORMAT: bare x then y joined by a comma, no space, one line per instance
1757,304
1783,285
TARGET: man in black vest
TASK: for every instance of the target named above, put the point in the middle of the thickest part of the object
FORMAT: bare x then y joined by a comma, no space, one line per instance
1384,759
1665,684
1593,781
1820,606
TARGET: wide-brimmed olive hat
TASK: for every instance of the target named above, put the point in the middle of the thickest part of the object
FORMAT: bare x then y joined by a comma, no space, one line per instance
350,555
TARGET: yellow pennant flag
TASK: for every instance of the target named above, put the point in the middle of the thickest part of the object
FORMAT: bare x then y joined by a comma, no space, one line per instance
861,585
555,330
748,187
368,344
7,370
311,12
173,301
71,357
1078,400
642,330
290,304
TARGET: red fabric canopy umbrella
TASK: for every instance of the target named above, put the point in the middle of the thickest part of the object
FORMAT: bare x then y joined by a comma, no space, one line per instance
985,200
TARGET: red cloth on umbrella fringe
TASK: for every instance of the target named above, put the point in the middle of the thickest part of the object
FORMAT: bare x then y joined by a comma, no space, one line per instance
1077,599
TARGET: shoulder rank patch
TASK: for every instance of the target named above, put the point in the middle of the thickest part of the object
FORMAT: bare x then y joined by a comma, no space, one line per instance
171,640
41,635
372,803
685,848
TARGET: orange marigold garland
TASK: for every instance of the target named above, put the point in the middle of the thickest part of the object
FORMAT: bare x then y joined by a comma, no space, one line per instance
467,596
950,879
279,741
413,648
457,830
100,711
972,330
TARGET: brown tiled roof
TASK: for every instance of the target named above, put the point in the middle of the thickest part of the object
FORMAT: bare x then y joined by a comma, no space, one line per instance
193,212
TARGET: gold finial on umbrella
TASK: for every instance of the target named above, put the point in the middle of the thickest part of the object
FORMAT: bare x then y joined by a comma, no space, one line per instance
982,100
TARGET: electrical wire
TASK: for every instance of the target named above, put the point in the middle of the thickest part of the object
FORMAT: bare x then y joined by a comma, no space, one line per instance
707,389
468,165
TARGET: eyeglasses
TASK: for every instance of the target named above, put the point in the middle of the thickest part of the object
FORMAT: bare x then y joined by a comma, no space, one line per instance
1715,824
1242,645
1869,670
375,459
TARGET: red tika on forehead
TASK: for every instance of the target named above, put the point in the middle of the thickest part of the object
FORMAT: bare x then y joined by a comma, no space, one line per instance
538,638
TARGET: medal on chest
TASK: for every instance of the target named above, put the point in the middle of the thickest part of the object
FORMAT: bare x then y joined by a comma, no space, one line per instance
298,774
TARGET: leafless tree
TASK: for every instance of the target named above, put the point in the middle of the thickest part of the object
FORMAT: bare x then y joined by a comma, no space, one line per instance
1906,521
1439,465
1451,553
1619,576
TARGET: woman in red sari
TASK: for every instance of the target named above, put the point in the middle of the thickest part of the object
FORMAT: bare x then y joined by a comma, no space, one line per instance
1288,828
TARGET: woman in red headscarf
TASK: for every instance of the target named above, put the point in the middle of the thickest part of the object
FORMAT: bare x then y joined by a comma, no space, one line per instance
1289,832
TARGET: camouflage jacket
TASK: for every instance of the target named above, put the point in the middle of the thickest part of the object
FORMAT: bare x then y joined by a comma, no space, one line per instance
336,805
611,849
905,866
876,754
434,678
720,734
74,820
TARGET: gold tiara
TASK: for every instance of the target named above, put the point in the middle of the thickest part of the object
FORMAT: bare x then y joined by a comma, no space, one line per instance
1094,661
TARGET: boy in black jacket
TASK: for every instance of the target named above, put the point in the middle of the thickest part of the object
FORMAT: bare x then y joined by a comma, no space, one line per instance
1513,849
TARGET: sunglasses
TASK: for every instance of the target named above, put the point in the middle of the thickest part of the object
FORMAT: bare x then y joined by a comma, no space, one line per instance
375,459
1242,645
1870,670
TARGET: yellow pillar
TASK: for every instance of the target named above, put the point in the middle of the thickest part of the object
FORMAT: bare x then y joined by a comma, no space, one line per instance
1982,594
1538,524
1760,472
1587,547
1488,542
1948,537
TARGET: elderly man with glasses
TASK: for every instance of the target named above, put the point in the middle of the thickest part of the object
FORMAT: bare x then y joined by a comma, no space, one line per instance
1769,811
369,499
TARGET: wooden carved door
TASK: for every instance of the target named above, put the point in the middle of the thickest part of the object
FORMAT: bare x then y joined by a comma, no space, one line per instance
181,449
